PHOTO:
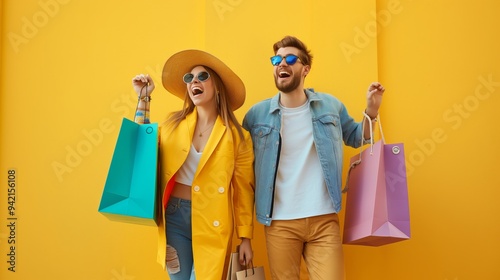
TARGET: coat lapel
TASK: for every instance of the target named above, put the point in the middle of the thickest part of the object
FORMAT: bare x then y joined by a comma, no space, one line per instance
190,126
180,141
214,139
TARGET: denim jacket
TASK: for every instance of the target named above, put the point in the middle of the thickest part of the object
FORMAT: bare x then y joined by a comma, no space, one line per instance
331,124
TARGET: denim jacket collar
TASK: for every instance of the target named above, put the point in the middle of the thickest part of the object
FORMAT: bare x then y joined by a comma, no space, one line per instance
311,96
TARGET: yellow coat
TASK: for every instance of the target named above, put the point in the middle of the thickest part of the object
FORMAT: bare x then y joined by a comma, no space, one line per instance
222,192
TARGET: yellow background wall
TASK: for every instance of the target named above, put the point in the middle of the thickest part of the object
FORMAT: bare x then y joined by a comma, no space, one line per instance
66,69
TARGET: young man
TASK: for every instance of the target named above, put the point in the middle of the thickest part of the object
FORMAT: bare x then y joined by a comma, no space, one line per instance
297,138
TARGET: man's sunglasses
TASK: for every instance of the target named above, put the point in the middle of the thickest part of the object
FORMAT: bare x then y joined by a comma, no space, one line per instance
290,59
202,76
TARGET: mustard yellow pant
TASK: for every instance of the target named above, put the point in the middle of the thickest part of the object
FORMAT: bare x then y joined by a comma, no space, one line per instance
316,239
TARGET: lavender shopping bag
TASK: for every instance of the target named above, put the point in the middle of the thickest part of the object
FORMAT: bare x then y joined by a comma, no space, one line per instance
377,210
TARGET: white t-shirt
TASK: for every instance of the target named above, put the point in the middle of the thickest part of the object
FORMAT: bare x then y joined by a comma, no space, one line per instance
300,186
185,175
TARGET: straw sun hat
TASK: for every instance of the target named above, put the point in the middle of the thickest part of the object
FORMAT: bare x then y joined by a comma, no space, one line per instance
184,61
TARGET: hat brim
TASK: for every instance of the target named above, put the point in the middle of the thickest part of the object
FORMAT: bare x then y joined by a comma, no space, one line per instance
184,61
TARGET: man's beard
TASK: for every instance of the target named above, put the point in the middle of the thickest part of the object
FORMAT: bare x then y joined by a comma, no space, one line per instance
288,87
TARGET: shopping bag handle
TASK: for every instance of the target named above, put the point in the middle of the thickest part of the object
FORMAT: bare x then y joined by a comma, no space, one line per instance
246,269
358,161
139,100
370,121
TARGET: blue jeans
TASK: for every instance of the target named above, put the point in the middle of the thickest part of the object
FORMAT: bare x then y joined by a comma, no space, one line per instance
179,241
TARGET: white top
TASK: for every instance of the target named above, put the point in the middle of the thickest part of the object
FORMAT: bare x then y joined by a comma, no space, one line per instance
300,186
185,174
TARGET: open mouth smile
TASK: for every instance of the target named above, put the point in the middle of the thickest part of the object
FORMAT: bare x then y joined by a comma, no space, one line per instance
196,90
283,74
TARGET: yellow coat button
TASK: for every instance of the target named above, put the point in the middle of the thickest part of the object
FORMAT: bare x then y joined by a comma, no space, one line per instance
216,223
221,189
196,188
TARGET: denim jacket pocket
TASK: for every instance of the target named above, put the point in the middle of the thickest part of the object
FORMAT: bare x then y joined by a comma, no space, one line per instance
331,126
260,136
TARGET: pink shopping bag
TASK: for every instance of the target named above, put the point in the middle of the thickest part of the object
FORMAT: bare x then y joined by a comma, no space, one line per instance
377,209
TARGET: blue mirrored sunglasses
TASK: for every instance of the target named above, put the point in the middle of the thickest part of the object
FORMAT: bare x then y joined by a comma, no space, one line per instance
202,76
290,59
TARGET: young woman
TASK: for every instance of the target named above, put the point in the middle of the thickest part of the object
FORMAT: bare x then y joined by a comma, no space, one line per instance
206,167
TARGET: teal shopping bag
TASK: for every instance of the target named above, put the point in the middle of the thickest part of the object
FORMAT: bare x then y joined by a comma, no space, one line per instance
130,191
